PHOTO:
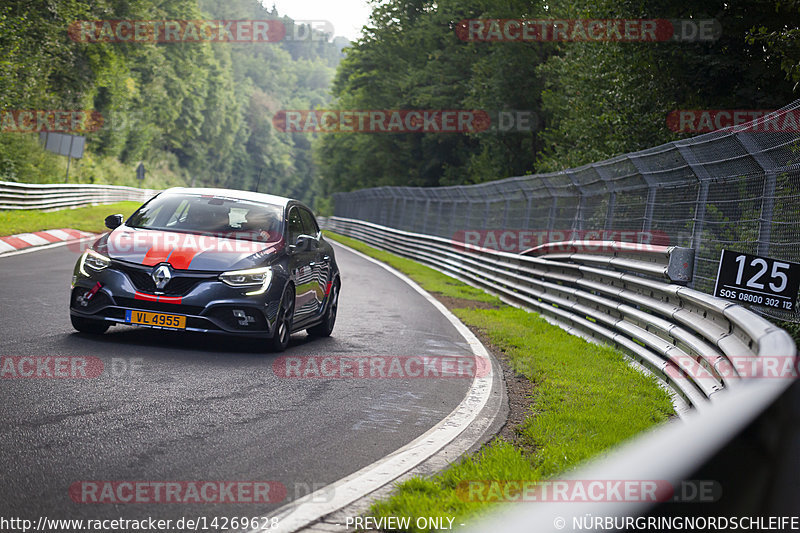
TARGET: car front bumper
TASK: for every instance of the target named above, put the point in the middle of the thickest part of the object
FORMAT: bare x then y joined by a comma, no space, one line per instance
209,305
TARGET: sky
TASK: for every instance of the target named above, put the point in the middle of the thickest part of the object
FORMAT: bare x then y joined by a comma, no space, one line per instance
347,16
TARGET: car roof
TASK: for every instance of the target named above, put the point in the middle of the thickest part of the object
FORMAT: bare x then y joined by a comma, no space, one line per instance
234,193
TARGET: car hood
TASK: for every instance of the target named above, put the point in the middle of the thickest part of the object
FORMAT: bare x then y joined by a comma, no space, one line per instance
184,251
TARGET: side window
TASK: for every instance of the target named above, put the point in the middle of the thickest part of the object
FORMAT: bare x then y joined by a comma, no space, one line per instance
309,224
295,225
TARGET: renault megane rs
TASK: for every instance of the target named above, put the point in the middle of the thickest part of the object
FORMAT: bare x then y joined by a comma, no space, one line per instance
211,261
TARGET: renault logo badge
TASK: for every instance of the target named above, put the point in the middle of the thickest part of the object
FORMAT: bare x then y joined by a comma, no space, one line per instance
161,276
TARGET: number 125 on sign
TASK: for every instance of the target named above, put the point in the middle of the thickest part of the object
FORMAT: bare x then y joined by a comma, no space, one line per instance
750,279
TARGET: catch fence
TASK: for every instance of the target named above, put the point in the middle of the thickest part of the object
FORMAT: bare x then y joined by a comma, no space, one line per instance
735,188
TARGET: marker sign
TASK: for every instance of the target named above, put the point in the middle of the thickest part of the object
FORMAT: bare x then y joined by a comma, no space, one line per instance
750,279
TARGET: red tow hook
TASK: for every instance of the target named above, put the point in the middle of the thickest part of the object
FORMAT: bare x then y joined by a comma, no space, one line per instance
91,293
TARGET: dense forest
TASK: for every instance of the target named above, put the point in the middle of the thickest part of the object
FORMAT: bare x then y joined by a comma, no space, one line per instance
593,100
194,112
203,113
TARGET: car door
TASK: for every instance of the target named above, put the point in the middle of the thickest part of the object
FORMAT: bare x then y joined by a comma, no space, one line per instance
301,265
321,264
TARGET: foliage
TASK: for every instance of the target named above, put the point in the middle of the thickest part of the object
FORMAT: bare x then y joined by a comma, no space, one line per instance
594,100
604,99
203,109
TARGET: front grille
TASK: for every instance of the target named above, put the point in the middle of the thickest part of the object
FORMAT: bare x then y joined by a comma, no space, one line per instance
140,279
180,284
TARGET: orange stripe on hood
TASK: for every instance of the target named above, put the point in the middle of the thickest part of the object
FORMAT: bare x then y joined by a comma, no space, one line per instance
182,257
156,255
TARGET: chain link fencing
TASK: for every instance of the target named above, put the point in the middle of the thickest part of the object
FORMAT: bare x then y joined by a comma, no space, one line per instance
737,188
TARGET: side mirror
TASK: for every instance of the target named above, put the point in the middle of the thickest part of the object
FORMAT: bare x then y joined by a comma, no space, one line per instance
113,221
303,243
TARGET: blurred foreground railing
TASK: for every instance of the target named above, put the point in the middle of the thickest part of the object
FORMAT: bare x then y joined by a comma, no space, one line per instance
727,366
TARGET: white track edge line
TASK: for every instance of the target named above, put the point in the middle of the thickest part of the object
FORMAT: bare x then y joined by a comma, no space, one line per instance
310,508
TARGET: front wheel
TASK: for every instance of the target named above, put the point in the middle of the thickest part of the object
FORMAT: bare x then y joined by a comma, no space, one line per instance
325,328
283,328
87,325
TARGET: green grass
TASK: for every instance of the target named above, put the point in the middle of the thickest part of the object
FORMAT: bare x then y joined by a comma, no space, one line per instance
429,279
83,218
585,399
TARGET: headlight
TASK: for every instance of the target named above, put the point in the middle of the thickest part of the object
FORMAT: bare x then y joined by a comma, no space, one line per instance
258,278
94,261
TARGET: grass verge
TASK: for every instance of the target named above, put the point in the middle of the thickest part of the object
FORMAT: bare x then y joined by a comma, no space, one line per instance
584,399
89,218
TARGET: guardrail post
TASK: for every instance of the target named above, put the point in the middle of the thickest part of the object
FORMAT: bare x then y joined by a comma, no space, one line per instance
425,216
767,210
439,216
768,165
702,198
612,195
393,211
455,209
468,218
577,222
402,223
528,205
647,221
551,216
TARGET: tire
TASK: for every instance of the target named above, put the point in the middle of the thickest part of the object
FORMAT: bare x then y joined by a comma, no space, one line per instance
87,325
325,328
283,327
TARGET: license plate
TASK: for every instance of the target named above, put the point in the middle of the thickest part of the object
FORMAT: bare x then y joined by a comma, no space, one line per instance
155,319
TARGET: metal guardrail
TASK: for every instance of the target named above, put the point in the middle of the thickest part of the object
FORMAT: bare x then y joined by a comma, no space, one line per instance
685,192
54,196
635,300
623,294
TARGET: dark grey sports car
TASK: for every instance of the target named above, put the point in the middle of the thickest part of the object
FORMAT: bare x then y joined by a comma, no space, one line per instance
210,260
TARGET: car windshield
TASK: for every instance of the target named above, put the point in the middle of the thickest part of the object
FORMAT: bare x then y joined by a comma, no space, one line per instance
211,215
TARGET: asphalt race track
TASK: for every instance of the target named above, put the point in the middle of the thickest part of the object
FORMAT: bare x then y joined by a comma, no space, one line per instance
189,407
